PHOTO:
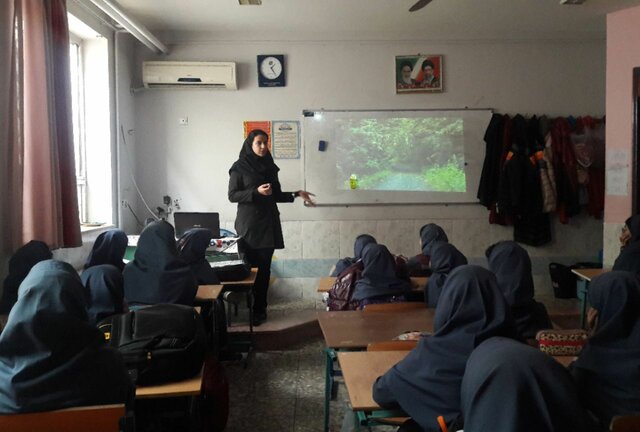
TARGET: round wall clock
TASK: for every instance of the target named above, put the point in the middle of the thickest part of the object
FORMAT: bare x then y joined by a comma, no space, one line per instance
271,70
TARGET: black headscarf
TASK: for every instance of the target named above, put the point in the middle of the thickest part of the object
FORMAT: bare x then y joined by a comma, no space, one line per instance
361,241
608,368
20,264
444,258
109,248
157,274
430,233
379,275
50,356
192,247
104,288
426,383
511,264
510,386
250,163
629,258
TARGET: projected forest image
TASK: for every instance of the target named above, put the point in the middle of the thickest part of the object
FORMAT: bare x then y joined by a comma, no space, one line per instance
401,154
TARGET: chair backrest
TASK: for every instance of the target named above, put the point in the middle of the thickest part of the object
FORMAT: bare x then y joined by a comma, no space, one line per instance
397,345
394,307
99,418
627,423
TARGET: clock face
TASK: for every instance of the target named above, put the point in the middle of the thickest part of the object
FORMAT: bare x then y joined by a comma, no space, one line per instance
271,68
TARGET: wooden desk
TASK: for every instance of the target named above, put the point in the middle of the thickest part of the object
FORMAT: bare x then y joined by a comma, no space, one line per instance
588,274
356,329
188,387
325,283
582,288
209,292
361,369
249,280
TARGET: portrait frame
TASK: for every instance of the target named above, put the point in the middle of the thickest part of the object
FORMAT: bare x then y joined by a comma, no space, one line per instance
423,67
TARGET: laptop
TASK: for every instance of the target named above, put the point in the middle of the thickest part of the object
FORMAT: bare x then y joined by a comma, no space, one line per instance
185,221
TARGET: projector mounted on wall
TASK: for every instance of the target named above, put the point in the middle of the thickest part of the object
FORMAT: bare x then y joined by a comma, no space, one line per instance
571,2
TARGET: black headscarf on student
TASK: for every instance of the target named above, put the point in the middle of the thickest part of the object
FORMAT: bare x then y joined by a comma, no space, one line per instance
104,288
250,163
608,368
361,241
430,233
50,356
192,247
510,386
379,276
444,258
426,384
20,264
157,274
109,248
511,264
629,258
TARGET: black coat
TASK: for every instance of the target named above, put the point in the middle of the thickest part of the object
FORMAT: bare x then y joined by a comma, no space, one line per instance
426,383
510,386
608,369
258,218
51,356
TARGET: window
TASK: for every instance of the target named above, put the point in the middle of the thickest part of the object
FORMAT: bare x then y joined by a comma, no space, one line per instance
89,71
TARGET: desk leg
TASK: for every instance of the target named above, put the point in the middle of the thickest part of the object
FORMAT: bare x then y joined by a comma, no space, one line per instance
583,290
330,356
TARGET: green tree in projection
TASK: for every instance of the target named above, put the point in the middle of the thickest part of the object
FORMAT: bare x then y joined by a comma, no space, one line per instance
394,153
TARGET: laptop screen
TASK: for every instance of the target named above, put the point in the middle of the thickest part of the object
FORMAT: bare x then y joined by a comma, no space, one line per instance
185,221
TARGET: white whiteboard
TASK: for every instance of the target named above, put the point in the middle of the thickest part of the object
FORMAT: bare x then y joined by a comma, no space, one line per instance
395,157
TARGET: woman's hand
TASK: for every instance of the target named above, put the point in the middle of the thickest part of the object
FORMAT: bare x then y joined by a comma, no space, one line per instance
306,196
265,189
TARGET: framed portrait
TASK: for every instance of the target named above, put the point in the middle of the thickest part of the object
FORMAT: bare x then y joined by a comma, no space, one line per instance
419,73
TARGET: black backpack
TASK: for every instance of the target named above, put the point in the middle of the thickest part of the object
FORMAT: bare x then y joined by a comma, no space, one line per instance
160,343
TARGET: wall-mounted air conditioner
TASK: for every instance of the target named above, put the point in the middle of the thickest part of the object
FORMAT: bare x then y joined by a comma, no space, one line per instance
175,74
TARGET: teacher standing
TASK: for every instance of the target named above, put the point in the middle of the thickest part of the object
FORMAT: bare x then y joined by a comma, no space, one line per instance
254,185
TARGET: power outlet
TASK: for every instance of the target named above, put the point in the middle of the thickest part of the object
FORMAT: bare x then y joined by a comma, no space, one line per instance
183,121
124,204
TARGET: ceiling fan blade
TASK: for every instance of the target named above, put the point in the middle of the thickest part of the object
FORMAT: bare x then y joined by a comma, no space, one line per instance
419,5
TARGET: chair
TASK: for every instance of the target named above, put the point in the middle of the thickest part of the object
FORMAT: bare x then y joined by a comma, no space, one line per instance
626,423
394,307
99,418
397,345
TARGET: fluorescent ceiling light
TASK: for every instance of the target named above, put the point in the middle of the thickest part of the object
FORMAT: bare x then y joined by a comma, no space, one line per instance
250,2
141,33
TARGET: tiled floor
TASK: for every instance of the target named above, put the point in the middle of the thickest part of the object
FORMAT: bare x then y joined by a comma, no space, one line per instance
282,391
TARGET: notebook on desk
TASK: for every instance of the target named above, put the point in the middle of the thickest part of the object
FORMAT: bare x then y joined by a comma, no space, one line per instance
184,221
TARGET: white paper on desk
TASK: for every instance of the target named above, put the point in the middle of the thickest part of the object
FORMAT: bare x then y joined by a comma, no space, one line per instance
617,172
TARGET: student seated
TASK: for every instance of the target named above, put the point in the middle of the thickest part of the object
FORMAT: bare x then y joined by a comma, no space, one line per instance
426,383
510,386
607,371
157,274
511,264
51,357
104,288
361,241
379,282
629,258
109,248
20,264
419,264
444,258
192,247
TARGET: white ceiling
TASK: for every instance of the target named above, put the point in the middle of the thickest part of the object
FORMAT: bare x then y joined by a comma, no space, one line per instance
442,20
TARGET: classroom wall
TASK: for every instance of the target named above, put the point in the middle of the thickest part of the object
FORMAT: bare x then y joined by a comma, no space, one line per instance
191,162
623,54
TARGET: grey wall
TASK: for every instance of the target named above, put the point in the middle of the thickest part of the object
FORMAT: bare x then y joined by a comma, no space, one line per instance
191,162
